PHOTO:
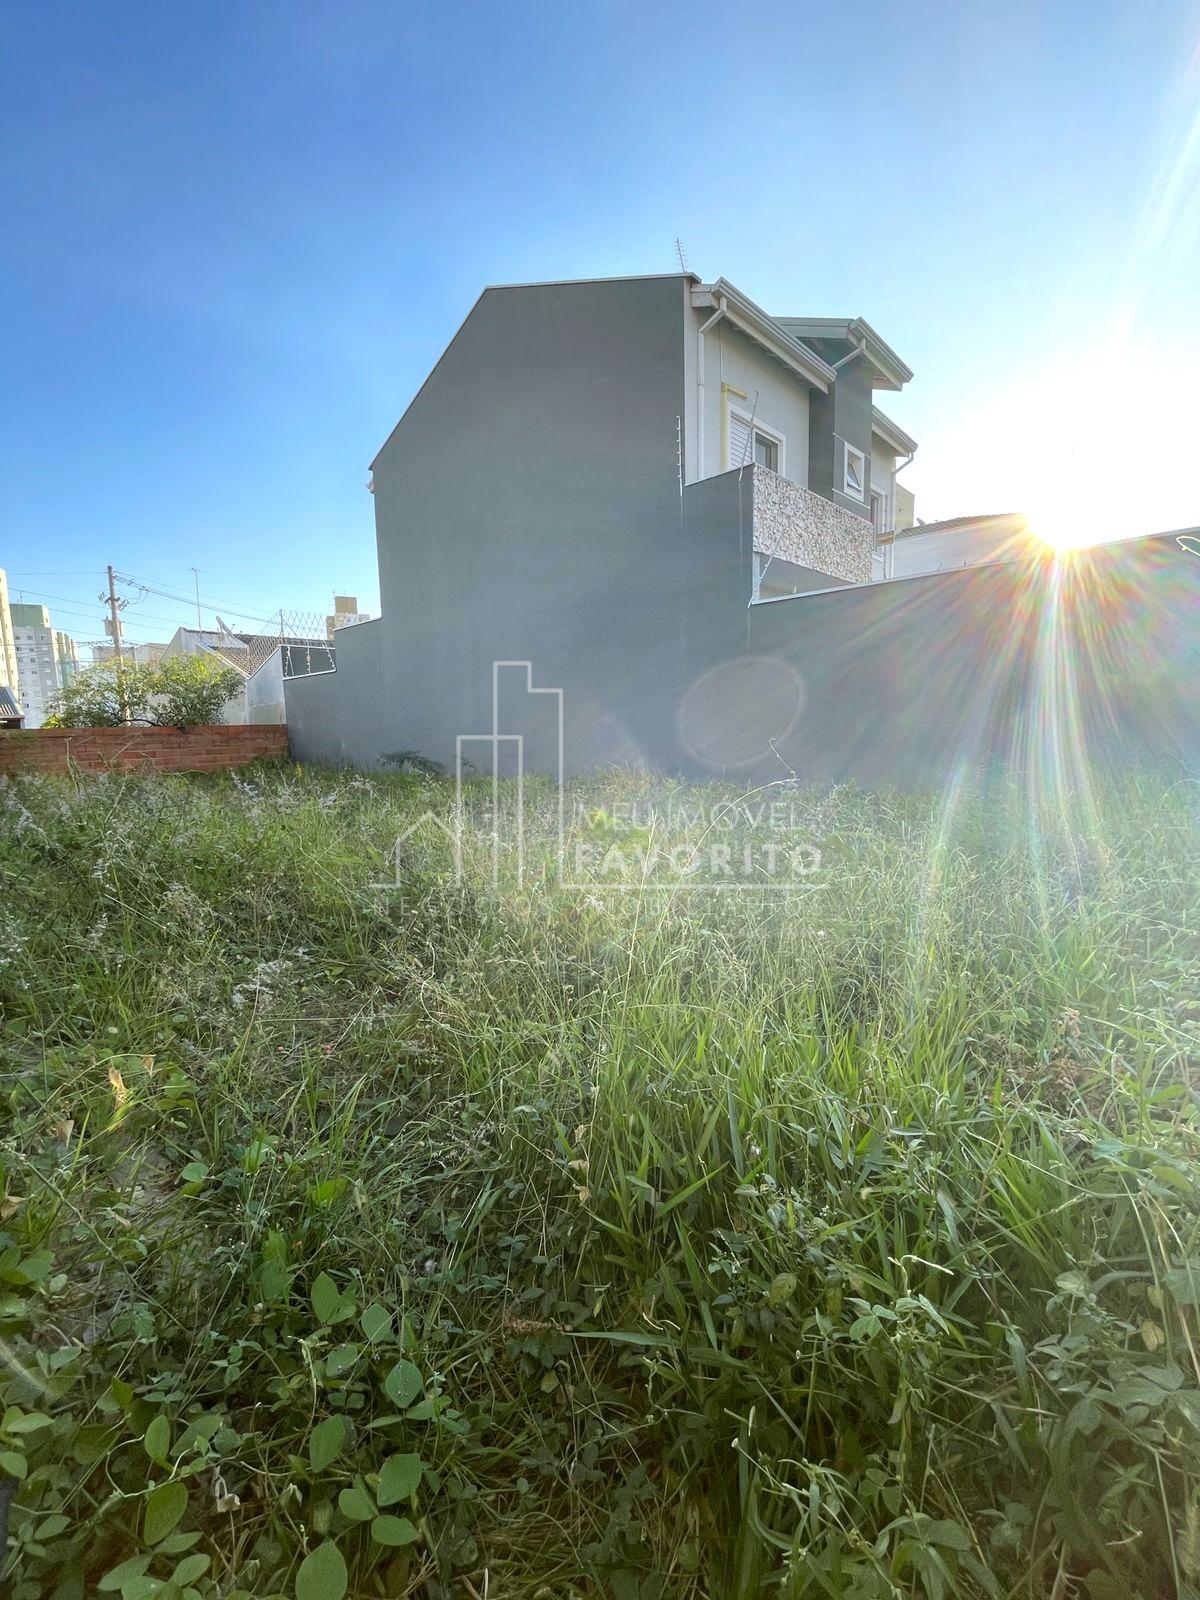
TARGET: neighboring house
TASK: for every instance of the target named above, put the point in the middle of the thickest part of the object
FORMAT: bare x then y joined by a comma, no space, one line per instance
905,511
591,473
265,700
246,651
47,659
145,654
891,451
10,709
263,660
959,542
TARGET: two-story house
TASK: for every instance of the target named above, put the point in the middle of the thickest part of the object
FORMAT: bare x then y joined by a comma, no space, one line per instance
607,478
795,396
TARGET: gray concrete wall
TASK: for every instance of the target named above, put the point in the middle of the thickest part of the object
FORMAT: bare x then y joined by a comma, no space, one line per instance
1037,667
335,718
527,508
844,413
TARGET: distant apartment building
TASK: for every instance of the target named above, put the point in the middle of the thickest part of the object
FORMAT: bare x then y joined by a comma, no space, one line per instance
66,653
8,645
345,614
47,660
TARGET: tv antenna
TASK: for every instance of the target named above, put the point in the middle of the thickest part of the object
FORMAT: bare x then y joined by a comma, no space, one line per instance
683,266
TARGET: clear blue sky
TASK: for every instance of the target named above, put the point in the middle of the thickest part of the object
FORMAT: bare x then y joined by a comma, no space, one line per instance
238,236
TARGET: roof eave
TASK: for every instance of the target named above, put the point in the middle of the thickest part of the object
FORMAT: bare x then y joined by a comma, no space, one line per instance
892,434
891,371
882,357
755,322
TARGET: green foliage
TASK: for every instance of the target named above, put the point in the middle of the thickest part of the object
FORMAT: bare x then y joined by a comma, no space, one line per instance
179,691
190,691
102,696
421,1242
322,1574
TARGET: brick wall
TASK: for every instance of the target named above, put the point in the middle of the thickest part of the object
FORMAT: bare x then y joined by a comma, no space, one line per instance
206,749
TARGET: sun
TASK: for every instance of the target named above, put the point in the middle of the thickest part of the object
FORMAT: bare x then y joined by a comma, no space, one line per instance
1089,505
1063,533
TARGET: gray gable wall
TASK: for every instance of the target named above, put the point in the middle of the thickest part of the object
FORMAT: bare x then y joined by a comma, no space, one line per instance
527,508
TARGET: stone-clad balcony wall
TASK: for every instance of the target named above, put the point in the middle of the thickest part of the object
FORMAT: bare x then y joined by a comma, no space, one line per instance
793,524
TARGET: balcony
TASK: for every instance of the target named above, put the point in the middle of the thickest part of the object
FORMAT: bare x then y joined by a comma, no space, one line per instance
795,526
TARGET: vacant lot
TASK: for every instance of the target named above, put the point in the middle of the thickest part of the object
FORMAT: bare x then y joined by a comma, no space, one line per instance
367,1232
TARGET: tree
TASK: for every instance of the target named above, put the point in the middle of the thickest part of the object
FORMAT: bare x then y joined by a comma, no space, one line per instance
187,691
177,692
95,697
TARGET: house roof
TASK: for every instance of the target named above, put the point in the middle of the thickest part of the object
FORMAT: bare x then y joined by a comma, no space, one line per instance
765,330
782,337
8,705
771,331
992,522
892,434
891,372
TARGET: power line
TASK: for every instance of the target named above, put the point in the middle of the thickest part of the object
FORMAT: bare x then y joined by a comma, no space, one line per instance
230,606
64,603
67,603
269,623
169,591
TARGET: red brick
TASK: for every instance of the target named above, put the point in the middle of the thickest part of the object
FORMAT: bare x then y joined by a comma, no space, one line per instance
207,749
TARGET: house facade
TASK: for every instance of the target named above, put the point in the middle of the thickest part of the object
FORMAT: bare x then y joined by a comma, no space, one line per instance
602,477
794,397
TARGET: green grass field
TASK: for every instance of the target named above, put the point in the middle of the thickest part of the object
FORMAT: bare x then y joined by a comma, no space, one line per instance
497,1239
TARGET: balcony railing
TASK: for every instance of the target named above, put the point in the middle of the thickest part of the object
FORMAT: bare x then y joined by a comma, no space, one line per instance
793,524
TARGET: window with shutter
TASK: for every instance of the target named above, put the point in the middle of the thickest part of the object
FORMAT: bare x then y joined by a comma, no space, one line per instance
739,441
752,443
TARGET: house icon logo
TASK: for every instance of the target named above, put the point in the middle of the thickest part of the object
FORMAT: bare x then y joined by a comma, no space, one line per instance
429,824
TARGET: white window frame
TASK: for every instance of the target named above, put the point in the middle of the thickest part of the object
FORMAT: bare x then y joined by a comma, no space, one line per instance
851,493
881,527
756,425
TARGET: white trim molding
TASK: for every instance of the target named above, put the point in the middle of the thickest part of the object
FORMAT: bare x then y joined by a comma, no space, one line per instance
753,321
850,451
892,434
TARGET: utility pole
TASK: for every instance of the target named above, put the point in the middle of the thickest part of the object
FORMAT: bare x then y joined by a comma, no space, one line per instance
114,614
114,627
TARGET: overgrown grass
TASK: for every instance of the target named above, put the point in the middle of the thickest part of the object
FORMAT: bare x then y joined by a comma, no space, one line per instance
460,1241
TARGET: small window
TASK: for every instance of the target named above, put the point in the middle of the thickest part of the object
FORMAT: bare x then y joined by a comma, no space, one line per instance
879,513
856,472
766,451
751,443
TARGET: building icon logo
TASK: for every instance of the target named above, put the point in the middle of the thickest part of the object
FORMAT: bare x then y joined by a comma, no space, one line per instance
511,798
